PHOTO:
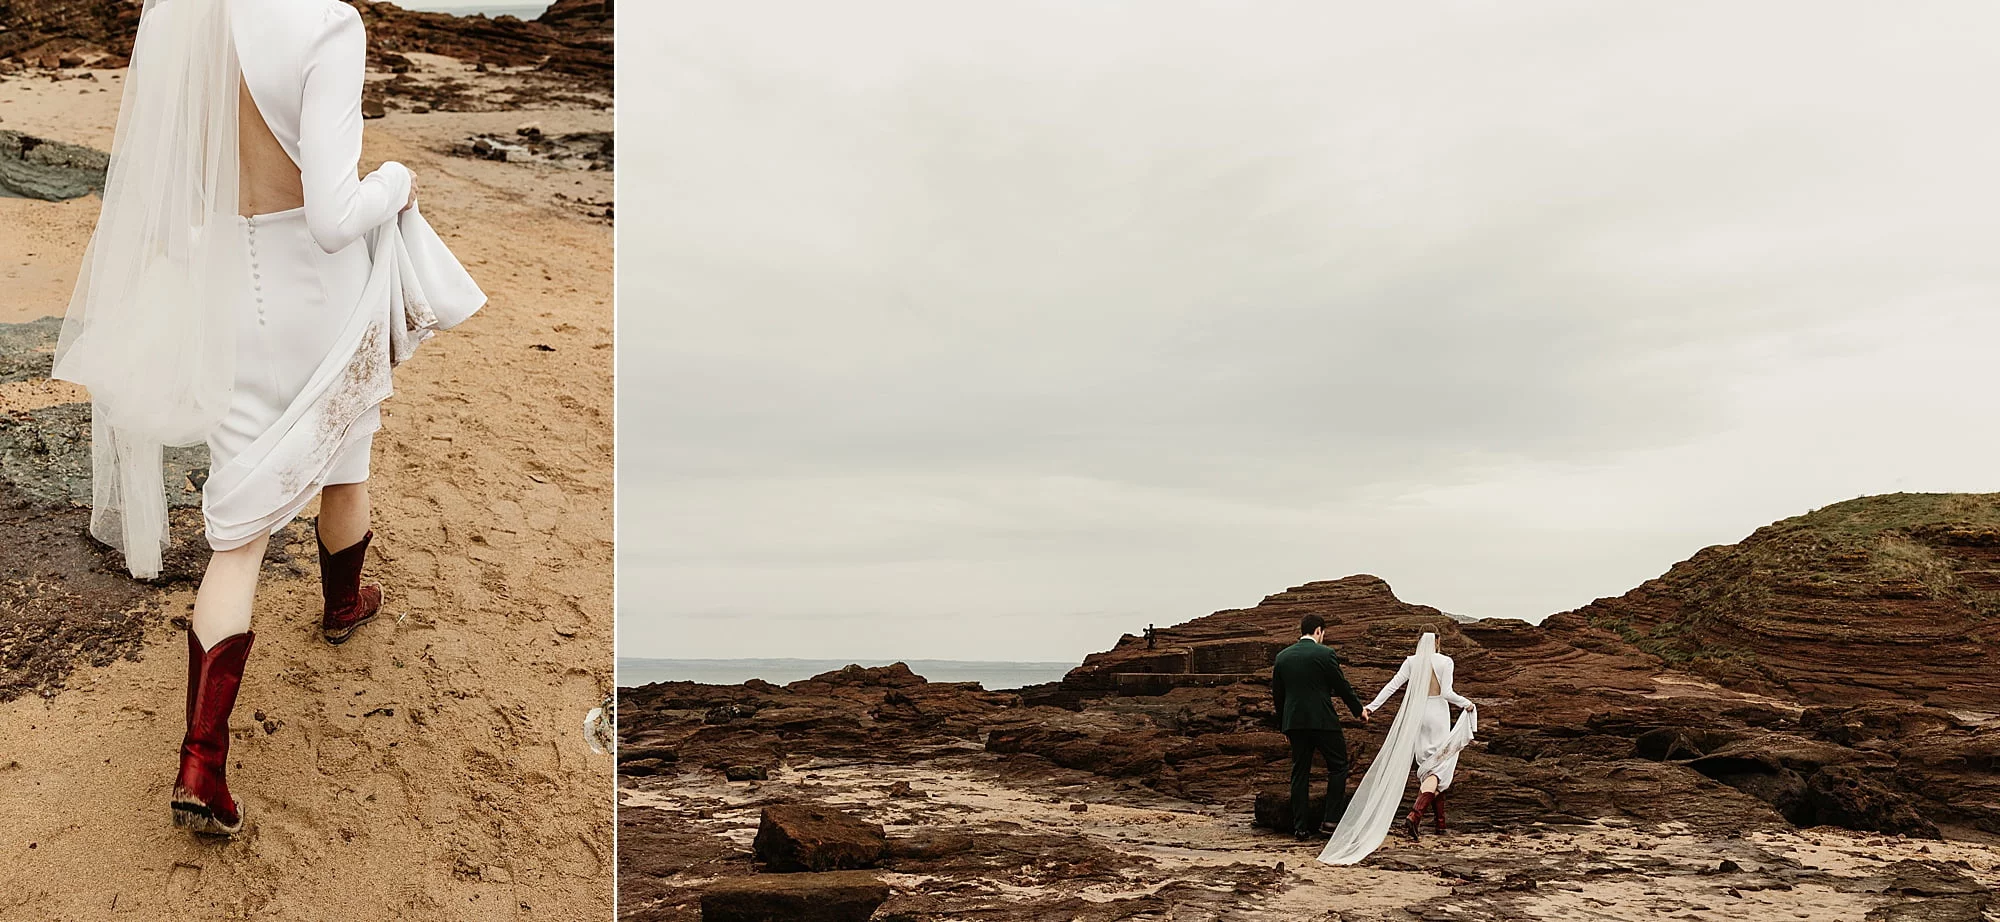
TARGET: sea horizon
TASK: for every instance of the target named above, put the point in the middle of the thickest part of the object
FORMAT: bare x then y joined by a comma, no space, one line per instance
993,675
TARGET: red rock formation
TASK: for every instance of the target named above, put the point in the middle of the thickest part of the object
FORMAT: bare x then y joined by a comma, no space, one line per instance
1882,598
32,29
842,896
1708,697
573,37
803,837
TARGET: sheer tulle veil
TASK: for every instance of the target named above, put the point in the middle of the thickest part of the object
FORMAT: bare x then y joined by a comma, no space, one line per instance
150,326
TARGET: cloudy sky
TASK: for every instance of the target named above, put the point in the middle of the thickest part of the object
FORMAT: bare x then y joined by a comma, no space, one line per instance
993,330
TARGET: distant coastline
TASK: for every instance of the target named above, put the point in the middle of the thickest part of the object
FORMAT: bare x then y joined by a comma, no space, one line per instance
994,676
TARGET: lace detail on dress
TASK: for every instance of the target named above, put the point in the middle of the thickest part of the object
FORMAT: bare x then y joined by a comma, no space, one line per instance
361,385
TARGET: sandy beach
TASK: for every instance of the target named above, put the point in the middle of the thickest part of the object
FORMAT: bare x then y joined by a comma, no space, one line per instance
434,767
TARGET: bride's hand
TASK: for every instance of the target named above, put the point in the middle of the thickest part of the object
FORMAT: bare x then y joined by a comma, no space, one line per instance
1367,714
412,203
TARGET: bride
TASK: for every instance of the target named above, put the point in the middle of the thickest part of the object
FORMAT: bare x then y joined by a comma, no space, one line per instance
244,289
1423,735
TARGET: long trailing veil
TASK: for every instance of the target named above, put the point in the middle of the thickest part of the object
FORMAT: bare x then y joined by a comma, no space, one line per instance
150,328
1380,795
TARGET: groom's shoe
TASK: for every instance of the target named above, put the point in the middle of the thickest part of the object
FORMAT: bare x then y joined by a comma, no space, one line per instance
349,604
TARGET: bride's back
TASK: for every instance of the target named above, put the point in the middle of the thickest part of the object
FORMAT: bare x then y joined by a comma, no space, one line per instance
276,41
1440,664
269,180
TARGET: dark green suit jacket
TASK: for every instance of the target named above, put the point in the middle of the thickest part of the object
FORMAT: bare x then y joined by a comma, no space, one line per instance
1304,680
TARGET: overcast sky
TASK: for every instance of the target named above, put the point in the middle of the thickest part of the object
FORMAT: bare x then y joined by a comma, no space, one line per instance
993,330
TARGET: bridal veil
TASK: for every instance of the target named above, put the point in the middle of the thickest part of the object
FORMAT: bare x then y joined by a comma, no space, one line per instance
149,329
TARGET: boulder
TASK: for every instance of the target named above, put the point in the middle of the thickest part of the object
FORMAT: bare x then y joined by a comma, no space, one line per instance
32,167
1274,810
842,896
807,837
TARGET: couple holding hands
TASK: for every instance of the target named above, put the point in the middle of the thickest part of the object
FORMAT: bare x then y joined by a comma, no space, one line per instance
1305,679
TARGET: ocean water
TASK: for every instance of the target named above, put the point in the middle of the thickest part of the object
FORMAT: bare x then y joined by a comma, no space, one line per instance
993,676
461,8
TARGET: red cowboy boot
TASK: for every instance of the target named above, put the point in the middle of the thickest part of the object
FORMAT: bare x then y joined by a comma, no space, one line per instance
349,604
1437,808
1415,818
201,800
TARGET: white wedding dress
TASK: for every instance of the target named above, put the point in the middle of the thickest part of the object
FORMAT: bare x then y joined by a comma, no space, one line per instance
311,348
1423,741
1435,752
268,337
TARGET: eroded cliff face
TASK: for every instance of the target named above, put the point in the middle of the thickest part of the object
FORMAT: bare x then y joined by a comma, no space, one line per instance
1886,598
1792,681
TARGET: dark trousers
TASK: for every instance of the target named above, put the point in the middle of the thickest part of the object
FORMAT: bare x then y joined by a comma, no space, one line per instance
1332,747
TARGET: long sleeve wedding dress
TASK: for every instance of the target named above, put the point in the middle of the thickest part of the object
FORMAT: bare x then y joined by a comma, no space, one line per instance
1435,752
312,348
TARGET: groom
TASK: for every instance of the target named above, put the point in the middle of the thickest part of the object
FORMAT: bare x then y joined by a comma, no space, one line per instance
1304,680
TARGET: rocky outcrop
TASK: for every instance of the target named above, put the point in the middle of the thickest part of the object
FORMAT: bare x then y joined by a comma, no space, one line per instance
876,712
588,150
32,167
1273,810
1366,623
806,837
1573,710
31,30
837,897
1884,598
1599,717
573,38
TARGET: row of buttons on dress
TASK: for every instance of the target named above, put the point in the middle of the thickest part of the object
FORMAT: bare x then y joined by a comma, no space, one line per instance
256,278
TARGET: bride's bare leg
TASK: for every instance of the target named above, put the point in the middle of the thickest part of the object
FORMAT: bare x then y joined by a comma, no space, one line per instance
343,514
228,590
1430,784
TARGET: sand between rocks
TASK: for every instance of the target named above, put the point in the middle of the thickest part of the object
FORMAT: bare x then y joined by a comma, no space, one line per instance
1588,872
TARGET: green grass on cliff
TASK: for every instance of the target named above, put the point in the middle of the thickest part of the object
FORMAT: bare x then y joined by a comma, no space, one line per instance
1876,515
